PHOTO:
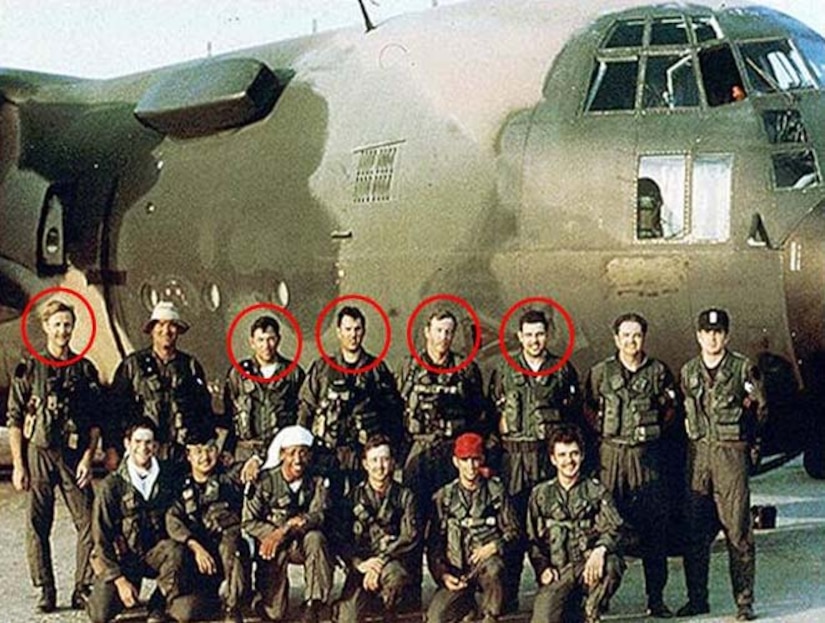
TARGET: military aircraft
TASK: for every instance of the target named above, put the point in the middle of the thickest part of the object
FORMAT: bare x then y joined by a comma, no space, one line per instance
608,155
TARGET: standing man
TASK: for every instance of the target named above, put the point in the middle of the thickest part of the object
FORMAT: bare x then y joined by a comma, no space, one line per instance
472,526
343,406
286,515
162,383
53,433
129,533
258,410
206,518
725,410
384,537
631,399
529,407
574,530
439,407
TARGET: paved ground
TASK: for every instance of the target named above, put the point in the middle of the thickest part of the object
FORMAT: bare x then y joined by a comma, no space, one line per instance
790,561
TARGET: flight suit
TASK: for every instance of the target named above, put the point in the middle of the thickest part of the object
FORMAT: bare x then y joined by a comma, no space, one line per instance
632,410
563,527
130,540
272,504
464,520
56,409
439,407
725,409
528,409
259,410
210,513
172,394
343,411
382,525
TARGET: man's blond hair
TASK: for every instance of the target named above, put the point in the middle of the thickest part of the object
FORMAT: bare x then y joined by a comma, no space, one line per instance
55,306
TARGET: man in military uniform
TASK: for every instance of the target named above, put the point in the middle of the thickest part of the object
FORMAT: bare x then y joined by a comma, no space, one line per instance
130,538
530,403
260,408
574,533
162,383
345,403
439,406
631,399
285,515
472,526
725,409
384,537
53,434
206,518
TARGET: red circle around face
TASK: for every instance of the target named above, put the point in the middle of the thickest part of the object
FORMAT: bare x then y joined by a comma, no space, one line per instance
570,329
24,331
411,342
319,323
295,327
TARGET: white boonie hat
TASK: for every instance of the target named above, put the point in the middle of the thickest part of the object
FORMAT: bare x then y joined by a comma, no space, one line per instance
288,437
165,310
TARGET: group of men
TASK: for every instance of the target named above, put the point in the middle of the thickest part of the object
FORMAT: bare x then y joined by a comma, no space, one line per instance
304,472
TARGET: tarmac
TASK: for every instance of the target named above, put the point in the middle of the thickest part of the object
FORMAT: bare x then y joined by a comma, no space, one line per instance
790,577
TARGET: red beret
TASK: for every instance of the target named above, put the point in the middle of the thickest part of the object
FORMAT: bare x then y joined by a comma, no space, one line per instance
469,445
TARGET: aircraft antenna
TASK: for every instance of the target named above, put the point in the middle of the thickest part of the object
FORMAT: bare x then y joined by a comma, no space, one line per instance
367,21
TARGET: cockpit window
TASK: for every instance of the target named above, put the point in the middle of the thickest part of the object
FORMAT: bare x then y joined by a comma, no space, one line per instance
670,82
722,81
613,86
774,66
626,34
661,197
668,31
706,29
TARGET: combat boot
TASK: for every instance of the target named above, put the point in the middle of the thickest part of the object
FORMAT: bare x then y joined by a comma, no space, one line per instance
745,613
691,609
48,599
312,612
658,610
80,597
233,615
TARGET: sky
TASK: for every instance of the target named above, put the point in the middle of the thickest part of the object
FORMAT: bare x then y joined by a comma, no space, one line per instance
106,38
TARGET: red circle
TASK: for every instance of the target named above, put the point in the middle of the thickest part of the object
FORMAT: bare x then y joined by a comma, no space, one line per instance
411,342
295,327
570,328
25,331
387,330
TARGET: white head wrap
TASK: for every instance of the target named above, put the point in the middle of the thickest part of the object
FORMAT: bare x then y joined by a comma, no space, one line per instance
166,310
288,437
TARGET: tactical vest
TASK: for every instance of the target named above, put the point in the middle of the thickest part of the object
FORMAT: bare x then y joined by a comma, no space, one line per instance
568,530
143,520
435,402
377,528
470,528
350,407
717,411
260,410
61,401
631,412
532,406
208,506
172,401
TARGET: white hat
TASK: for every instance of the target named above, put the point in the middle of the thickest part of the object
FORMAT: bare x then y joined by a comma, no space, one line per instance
288,437
165,310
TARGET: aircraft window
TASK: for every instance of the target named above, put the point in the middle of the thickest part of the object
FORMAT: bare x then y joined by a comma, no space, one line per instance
613,86
784,126
813,49
668,31
721,78
627,34
795,170
706,29
661,197
670,82
775,66
711,197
